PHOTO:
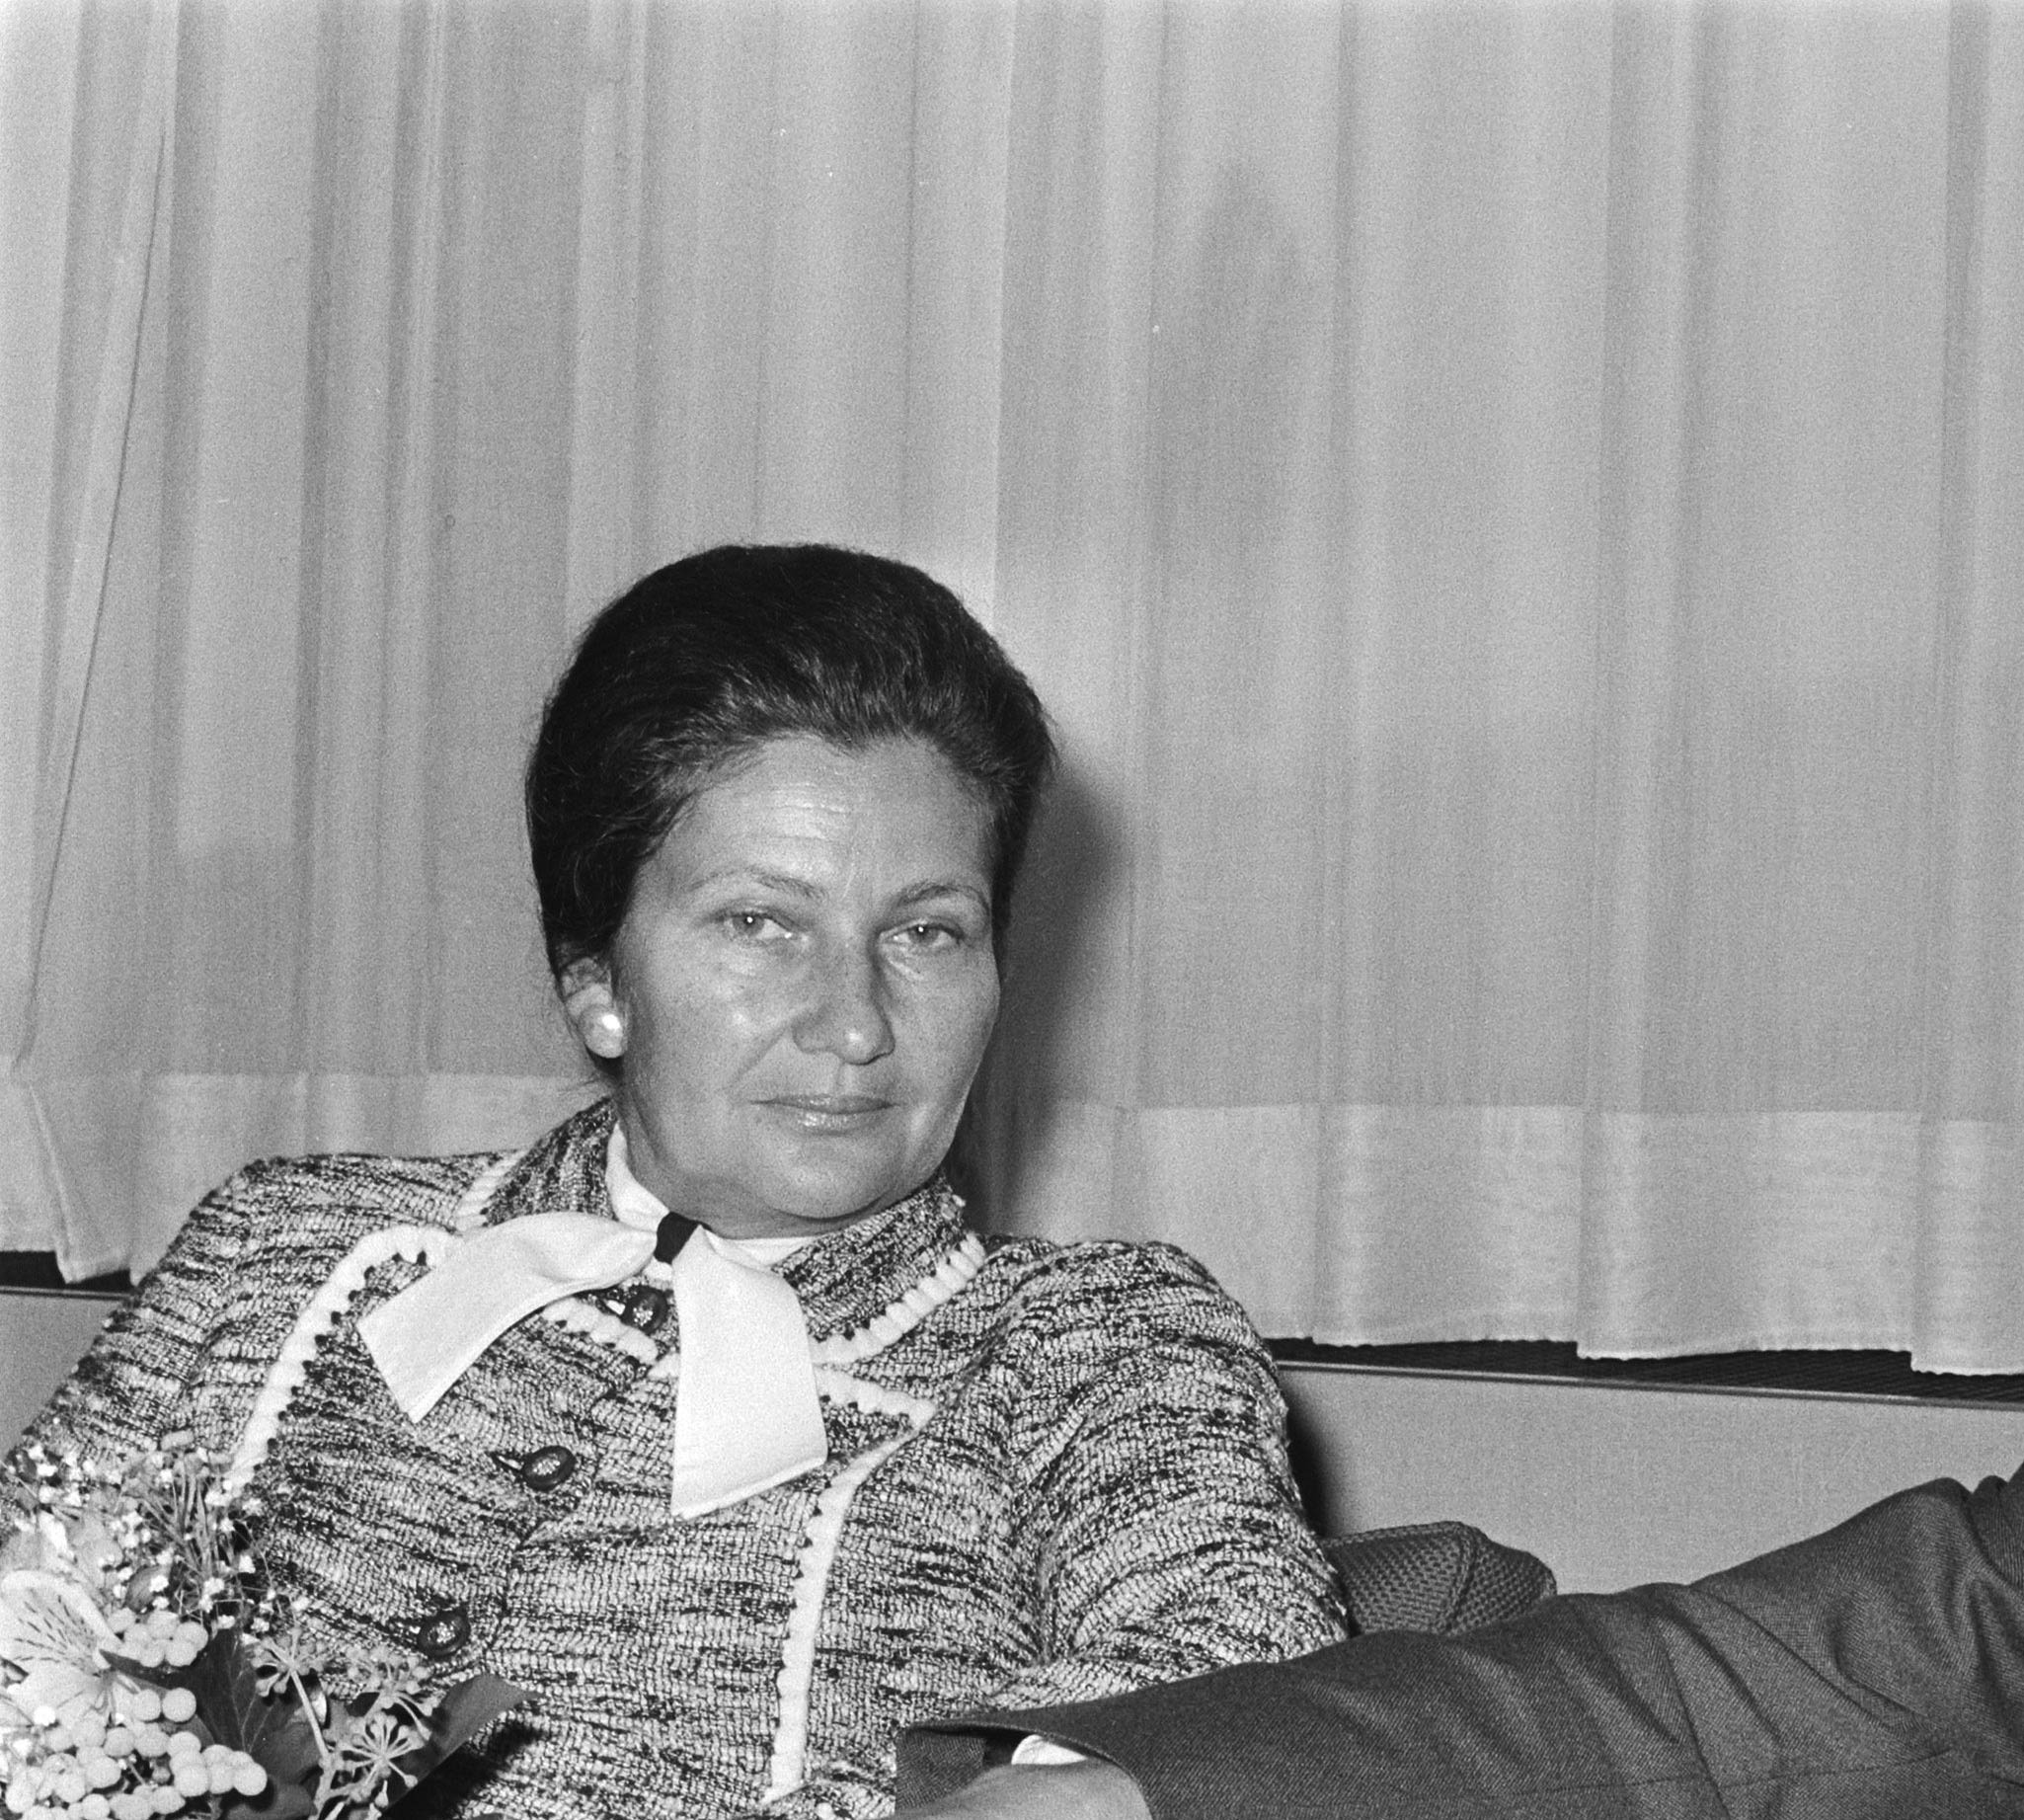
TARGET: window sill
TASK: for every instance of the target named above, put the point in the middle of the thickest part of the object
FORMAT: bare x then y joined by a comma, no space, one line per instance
1869,1375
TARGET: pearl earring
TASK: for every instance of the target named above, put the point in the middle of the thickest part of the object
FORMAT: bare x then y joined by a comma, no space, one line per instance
603,1034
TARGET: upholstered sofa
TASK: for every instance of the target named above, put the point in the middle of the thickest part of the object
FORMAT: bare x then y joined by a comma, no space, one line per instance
1442,1577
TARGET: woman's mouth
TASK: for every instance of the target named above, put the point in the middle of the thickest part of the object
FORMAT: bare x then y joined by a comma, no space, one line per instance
838,1112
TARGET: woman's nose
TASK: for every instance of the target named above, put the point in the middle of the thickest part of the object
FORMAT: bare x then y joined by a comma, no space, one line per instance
846,1014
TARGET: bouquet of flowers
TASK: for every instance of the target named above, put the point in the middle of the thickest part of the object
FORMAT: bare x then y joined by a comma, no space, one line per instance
147,1666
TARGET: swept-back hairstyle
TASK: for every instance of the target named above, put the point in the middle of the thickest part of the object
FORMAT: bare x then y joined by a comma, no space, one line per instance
700,662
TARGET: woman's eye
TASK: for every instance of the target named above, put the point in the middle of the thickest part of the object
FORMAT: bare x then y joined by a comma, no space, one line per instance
926,937
754,925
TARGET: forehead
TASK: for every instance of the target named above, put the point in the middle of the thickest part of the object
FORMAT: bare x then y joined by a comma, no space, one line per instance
896,805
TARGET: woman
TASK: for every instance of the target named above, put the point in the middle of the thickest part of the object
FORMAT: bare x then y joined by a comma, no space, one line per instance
704,1419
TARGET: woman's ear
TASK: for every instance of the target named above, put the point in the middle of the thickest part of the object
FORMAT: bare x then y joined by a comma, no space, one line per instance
593,1007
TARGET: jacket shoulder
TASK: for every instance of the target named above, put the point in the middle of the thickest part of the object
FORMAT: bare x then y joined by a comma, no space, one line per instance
1136,1292
422,1189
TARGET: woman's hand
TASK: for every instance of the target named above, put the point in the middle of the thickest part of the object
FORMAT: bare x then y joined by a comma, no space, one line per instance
1092,1790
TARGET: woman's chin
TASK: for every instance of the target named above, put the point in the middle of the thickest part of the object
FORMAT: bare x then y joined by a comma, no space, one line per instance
813,1172
811,1198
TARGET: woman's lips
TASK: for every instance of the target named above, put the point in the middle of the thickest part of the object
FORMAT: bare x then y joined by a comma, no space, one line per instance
837,1112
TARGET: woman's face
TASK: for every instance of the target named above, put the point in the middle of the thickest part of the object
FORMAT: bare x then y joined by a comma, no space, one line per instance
805,985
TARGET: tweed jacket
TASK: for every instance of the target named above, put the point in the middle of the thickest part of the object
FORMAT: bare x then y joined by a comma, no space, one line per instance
1054,1472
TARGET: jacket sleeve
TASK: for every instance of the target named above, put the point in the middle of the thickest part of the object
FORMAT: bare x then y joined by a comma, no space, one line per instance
1158,1520
1872,1673
135,1382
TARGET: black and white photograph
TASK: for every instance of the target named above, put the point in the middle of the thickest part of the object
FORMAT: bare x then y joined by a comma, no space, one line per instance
1012,909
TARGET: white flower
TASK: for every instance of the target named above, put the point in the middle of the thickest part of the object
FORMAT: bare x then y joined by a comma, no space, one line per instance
53,1631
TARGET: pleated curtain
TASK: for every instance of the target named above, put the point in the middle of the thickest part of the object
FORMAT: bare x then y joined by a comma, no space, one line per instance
1518,511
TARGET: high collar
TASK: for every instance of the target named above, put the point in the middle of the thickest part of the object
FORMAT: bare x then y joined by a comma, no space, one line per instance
843,1277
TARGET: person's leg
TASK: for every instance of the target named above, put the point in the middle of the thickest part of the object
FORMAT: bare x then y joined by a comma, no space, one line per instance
1872,1673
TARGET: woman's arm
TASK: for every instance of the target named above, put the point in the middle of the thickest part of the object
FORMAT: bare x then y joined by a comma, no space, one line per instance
135,1384
1160,1526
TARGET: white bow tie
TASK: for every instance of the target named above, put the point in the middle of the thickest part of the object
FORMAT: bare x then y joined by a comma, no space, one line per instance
747,1414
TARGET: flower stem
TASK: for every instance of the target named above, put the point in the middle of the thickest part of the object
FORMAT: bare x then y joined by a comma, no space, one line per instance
322,1750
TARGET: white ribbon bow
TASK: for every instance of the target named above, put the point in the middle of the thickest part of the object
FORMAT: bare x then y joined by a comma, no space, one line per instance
747,1414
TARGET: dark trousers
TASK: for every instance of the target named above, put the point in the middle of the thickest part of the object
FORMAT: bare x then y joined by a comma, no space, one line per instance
1872,1673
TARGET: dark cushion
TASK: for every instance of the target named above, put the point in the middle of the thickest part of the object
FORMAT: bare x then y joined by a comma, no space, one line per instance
1442,1577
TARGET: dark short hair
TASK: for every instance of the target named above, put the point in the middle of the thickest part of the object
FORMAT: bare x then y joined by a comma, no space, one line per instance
702,661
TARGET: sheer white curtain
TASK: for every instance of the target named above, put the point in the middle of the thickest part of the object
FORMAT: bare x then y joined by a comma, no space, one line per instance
1518,511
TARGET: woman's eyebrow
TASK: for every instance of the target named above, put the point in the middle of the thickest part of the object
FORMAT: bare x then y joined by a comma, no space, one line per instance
926,891
940,888
763,881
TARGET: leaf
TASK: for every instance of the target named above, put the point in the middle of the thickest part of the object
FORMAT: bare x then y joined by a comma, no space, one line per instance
460,1714
275,1734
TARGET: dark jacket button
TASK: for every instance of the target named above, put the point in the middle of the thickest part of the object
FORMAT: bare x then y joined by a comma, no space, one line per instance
644,1308
547,1467
541,1471
441,1629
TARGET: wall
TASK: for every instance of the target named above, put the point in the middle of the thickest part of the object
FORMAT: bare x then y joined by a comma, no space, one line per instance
1613,1485
1609,1485
40,1338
